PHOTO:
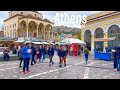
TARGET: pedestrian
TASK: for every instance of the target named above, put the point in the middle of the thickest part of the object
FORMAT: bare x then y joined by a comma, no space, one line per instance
59,54
63,56
33,52
51,54
39,53
20,56
44,52
26,51
86,52
113,56
118,58
6,54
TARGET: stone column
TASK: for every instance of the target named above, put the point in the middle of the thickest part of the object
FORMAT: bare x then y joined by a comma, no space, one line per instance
105,43
9,33
37,30
12,34
44,33
27,30
92,43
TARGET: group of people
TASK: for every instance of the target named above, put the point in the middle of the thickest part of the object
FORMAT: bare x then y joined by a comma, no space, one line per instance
39,53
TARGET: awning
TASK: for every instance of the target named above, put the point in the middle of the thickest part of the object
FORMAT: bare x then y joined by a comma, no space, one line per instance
37,42
105,39
71,40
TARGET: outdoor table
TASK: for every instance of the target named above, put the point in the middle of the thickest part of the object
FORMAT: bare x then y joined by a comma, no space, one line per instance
103,56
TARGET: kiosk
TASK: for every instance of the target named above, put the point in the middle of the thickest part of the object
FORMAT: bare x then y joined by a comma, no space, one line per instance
103,55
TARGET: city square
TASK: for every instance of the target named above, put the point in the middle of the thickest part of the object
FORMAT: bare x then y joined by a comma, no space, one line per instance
89,49
76,69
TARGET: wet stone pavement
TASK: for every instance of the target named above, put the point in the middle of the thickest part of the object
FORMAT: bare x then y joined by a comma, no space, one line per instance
76,69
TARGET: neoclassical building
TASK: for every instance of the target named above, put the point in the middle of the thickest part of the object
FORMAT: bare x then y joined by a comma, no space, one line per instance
105,24
28,24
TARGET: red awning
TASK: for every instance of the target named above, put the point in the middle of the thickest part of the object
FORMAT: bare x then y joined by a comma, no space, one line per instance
105,39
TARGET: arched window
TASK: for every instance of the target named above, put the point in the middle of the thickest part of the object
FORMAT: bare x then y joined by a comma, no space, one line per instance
21,13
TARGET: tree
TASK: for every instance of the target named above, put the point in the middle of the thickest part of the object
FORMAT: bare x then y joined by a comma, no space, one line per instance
78,34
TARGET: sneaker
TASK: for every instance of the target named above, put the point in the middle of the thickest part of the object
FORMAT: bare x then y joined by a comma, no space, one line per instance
24,72
32,64
60,65
64,65
28,71
20,66
50,64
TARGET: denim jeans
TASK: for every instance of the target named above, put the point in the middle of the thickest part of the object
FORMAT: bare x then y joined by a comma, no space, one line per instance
86,57
26,64
118,64
43,58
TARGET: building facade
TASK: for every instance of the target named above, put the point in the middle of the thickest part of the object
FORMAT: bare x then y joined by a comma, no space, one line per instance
28,24
105,24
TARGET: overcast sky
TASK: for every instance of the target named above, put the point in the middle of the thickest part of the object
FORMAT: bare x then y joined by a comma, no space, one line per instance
51,15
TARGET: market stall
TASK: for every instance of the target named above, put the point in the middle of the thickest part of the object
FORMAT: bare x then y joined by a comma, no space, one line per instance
73,45
103,55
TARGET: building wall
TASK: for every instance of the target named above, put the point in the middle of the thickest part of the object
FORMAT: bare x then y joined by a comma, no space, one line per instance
104,23
11,26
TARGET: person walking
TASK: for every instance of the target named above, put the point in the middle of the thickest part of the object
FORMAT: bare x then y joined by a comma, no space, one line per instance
113,56
63,56
51,54
33,52
20,56
86,52
6,54
118,58
39,53
26,52
59,54
43,53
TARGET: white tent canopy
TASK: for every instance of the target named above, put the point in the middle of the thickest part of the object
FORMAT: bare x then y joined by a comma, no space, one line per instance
37,42
71,40
45,43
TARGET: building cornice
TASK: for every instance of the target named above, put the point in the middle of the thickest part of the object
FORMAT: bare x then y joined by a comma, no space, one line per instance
12,17
101,15
35,19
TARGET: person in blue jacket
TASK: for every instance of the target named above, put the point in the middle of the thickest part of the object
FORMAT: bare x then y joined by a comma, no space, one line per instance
59,54
63,56
26,51
51,54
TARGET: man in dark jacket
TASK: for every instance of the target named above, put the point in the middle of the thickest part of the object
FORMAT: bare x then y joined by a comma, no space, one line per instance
51,54
118,58
20,56
33,54
44,52
59,54
114,58
6,54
